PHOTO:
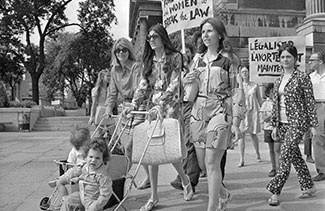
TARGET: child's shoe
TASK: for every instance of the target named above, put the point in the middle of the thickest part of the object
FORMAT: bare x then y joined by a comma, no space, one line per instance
52,183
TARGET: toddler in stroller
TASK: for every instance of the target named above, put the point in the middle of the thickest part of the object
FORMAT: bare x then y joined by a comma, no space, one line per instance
78,140
95,184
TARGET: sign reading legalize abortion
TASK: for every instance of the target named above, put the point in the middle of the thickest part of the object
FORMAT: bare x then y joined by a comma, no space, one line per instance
183,14
264,60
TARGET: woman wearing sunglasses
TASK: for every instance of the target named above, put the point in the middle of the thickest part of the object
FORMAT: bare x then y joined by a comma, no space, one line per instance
159,85
125,76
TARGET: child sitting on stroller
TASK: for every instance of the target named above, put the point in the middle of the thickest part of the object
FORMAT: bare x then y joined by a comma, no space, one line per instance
95,185
78,140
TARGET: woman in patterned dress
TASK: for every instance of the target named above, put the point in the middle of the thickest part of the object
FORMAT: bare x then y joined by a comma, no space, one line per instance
293,114
214,112
162,66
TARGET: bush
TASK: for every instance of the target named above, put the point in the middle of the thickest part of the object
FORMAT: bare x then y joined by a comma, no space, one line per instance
22,104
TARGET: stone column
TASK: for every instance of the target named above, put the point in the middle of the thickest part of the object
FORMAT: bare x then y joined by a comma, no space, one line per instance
313,27
314,7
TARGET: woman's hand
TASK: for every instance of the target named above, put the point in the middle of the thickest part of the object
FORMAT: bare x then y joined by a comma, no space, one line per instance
91,121
107,112
313,132
237,132
126,113
274,134
155,113
191,76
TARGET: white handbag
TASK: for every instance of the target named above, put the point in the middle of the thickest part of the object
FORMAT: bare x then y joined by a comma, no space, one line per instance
158,142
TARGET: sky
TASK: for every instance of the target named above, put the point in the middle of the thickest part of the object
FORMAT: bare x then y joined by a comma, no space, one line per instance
119,30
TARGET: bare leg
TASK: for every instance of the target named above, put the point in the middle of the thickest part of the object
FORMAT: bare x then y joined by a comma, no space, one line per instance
179,168
272,155
212,160
153,172
146,170
241,145
200,154
256,146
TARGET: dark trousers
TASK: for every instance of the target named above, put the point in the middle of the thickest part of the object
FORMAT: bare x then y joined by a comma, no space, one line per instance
307,143
190,163
223,164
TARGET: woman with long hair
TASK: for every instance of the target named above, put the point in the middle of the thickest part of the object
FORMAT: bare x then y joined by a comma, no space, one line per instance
98,95
159,87
125,77
214,112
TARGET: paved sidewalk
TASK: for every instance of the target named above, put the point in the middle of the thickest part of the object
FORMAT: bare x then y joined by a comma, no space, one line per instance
26,166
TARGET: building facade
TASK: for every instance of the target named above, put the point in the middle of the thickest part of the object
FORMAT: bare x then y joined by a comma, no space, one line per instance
245,19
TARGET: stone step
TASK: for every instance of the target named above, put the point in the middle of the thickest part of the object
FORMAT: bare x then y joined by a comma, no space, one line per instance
61,123
60,128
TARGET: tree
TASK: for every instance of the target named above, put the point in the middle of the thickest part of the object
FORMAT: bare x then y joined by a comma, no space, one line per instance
78,58
11,57
24,16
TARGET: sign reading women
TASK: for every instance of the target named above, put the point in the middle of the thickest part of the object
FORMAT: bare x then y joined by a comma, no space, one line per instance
183,14
264,59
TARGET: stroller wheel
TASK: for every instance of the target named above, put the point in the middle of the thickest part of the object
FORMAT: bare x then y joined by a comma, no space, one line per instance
44,204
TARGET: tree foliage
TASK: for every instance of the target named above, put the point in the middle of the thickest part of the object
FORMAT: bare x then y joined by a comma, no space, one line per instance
44,16
11,57
76,59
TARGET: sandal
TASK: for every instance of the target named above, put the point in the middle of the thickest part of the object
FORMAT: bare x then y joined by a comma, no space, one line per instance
188,190
308,193
241,164
144,185
149,205
274,200
223,202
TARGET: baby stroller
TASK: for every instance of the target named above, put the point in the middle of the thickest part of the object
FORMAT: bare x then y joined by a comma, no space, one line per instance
118,169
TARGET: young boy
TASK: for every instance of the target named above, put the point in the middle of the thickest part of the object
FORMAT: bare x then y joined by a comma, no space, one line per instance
95,183
274,145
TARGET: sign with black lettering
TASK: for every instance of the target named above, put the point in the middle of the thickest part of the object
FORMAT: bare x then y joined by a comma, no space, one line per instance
264,62
183,14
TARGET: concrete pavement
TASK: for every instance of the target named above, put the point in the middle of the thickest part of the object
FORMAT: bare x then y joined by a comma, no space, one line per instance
26,166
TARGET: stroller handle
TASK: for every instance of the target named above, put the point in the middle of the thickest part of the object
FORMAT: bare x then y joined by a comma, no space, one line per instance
66,163
139,112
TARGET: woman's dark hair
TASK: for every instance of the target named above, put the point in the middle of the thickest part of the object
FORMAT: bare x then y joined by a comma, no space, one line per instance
268,89
221,29
149,53
290,48
99,144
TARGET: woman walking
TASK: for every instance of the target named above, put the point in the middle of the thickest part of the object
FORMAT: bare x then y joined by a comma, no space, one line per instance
162,66
214,113
293,114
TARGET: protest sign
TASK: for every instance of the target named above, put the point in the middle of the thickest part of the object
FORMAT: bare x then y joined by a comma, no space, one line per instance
264,60
183,14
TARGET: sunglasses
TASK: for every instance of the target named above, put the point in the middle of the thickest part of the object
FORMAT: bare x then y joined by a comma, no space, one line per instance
154,37
123,50
311,60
